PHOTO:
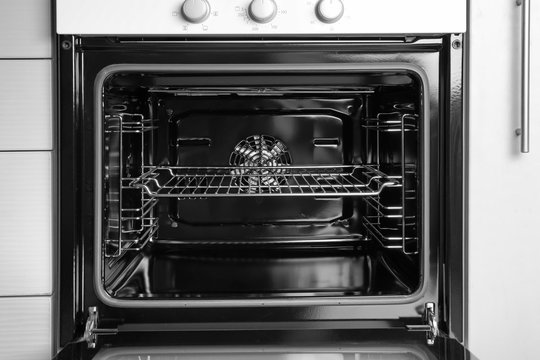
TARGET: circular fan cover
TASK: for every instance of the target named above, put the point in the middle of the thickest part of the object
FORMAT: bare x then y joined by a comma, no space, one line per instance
264,152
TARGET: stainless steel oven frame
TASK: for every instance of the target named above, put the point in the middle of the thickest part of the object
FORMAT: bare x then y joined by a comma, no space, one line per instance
79,169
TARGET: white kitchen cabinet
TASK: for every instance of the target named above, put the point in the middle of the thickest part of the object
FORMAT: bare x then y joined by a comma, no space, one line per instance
25,105
26,328
26,214
26,206
25,29
504,192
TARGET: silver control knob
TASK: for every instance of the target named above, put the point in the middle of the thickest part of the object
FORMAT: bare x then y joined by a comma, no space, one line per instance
262,11
196,11
330,11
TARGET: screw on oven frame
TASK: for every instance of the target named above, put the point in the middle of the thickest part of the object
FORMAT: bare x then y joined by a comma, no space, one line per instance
66,45
456,44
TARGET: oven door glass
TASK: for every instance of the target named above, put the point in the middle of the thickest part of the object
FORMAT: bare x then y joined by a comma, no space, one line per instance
334,345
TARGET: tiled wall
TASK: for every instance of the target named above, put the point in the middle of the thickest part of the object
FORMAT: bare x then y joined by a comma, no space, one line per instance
26,180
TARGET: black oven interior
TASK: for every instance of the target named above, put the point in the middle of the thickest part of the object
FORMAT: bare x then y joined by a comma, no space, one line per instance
261,185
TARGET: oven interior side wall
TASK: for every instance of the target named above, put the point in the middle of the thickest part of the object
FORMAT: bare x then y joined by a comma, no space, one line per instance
261,246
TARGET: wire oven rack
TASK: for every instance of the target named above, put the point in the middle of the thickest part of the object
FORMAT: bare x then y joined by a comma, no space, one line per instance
387,223
392,224
317,181
130,227
134,228
128,123
391,237
392,122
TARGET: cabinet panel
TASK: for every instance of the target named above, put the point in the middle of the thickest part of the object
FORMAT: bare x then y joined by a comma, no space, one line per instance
504,237
25,223
25,105
26,328
141,17
25,29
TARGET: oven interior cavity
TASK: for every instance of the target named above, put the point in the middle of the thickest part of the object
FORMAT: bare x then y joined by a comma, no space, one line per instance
261,185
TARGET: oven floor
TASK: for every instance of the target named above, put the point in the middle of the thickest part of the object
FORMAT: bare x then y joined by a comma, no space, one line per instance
263,273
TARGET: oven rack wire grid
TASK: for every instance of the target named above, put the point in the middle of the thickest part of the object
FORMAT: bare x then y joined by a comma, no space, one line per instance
388,224
394,225
268,181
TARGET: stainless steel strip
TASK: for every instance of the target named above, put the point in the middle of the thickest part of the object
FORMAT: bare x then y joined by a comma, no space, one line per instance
524,131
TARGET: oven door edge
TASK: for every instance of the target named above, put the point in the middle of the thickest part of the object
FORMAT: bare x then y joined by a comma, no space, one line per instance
291,345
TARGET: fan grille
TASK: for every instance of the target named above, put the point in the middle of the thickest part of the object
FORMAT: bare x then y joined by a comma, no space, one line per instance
264,152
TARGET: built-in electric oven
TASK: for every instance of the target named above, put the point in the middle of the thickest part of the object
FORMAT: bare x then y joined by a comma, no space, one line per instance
217,182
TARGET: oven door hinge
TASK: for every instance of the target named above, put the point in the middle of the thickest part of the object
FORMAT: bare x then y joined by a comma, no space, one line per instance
430,325
91,329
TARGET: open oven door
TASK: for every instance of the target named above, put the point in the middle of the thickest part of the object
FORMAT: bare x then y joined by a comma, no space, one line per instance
270,345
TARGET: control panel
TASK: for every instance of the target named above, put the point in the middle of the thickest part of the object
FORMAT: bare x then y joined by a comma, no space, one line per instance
262,11
260,17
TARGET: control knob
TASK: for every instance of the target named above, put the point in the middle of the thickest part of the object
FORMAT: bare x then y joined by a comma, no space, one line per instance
196,11
329,11
262,11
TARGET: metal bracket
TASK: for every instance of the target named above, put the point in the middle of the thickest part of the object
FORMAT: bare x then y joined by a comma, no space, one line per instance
91,330
430,317
91,325
430,326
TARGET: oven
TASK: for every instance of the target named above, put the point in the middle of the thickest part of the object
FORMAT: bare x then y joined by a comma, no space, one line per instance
228,181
